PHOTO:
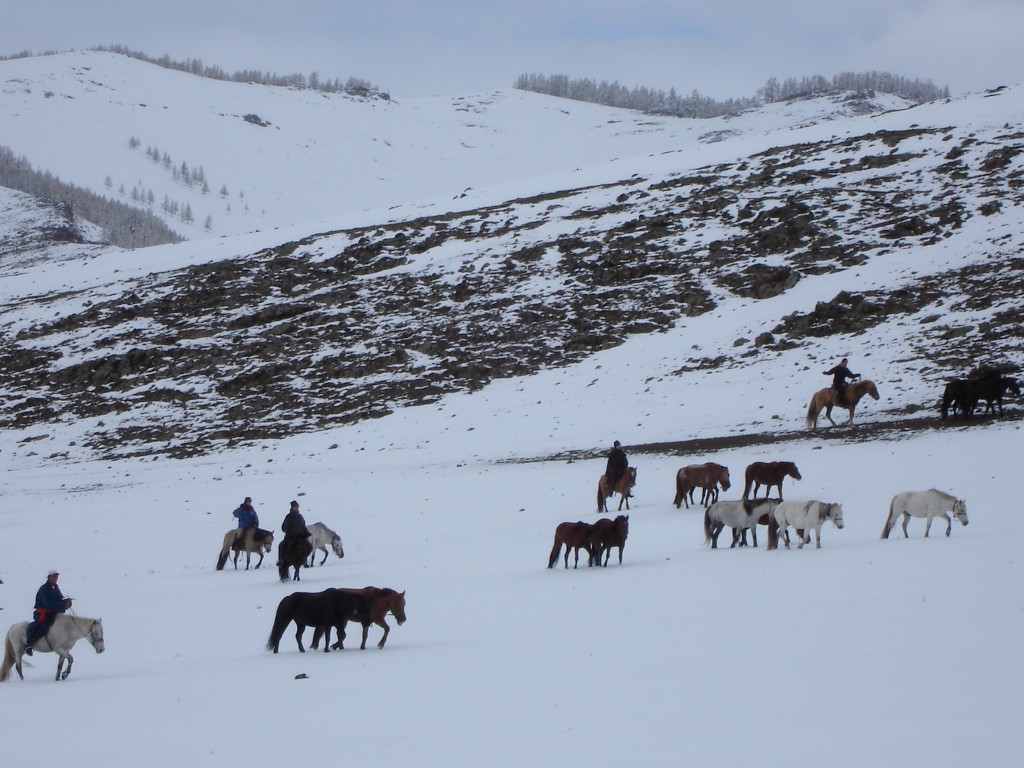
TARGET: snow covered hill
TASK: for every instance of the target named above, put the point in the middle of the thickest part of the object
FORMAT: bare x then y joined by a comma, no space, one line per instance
831,225
273,156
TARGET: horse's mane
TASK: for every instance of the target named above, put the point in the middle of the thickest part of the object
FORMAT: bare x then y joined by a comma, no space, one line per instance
943,495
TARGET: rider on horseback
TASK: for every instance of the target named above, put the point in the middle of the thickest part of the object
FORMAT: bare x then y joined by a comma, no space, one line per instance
617,465
840,374
248,521
294,527
49,602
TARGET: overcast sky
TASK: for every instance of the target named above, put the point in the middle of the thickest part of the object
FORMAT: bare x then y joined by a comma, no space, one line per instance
414,47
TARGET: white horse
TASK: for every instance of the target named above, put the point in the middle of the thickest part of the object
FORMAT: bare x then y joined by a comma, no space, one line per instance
320,536
803,516
741,515
929,504
65,632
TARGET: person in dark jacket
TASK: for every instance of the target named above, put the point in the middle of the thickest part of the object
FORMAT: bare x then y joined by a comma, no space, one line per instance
248,520
840,374
49,602
294,527
617,465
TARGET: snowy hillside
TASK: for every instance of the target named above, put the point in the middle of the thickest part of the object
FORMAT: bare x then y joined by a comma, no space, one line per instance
837,232
438,382
306,155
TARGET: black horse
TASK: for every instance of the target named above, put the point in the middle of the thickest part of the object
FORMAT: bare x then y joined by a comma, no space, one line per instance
961,396
293,552
321,610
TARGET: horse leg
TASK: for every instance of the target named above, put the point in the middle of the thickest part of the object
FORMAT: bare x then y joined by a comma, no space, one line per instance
385,636
828,413
817,537
299,629
906,519
949,523
849,422
71,660
366,631
260,553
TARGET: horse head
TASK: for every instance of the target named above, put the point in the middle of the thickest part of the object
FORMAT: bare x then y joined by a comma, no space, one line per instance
791,470
631,474
871,389
836,513
1012,386
960,511
398,607
95,635
723,478
268,542
336,546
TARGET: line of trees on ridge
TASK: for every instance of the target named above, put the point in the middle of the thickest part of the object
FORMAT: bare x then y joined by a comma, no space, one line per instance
697,105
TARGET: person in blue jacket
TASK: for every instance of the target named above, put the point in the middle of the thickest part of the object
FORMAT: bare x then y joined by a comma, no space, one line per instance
248,520
49,602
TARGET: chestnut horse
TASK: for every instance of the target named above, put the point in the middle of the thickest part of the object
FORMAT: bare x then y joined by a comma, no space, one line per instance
769,474
627,481
607,534
382,601
707,477
578,535
827,399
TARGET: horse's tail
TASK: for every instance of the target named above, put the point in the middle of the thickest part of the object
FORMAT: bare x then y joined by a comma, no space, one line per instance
813,409
889,521
555,550
678,500
223,557
600,495
707,526
5,669
281,621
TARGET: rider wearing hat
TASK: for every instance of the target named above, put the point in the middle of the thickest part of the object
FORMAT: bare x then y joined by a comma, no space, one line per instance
49,602
617,465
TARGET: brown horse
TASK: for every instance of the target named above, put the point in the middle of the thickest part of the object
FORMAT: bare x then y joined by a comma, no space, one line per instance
607,534
577,536
707,477
827,399
255,540
382,601
769,474
627,481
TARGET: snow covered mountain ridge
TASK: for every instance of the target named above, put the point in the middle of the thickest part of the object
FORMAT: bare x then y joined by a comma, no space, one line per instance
558,232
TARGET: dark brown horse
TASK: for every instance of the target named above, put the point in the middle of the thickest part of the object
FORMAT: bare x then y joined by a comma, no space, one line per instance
381,602
827,399
627,481
293,552
607,534
769,474
707,477
962,395
577,536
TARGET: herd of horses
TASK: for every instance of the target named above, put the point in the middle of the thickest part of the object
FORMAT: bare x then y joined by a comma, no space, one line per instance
334,608
742,515
330,609
962,396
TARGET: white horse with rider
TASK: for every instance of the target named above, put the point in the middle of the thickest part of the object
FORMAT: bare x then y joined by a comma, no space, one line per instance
62,635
